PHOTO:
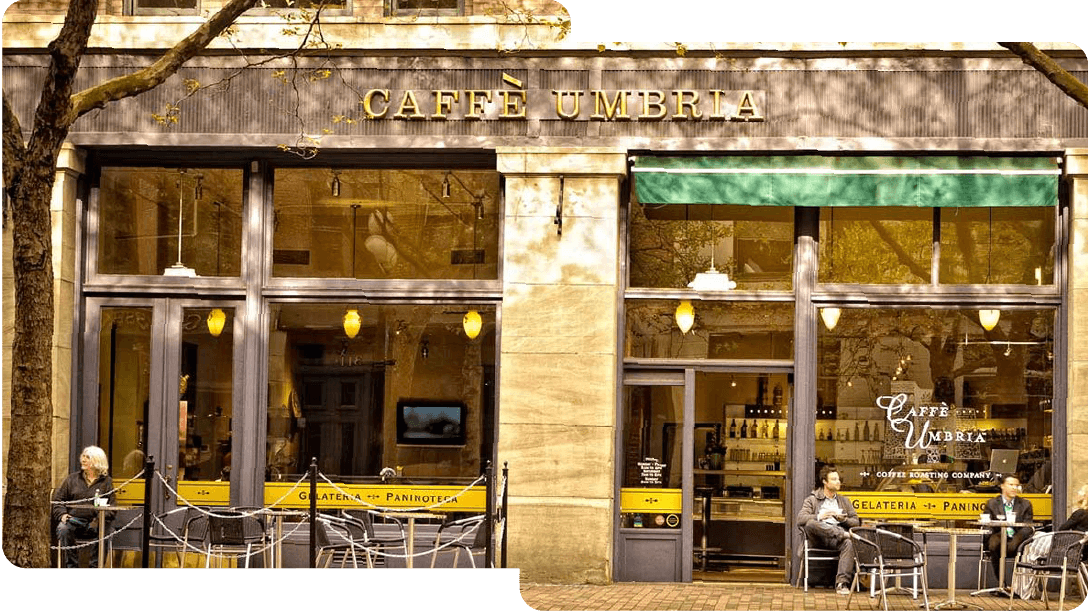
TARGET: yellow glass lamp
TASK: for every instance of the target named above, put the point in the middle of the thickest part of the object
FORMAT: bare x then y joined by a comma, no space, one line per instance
685,316
216,320
352,322
830,317
989,318
472,324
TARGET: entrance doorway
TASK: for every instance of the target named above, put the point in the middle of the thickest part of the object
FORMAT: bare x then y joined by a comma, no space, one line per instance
740,474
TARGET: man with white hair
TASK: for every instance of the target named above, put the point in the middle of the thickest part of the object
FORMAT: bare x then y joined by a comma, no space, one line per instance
83,487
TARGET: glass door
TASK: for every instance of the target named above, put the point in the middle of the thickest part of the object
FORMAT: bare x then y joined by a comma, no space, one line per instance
160,383
740,474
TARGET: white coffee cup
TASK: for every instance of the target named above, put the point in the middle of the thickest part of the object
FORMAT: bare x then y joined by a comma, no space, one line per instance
984,518
1010,516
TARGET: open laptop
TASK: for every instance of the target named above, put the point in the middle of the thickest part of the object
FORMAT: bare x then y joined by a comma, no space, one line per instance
1003,461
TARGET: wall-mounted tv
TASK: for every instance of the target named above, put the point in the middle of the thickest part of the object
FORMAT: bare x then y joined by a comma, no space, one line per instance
430,423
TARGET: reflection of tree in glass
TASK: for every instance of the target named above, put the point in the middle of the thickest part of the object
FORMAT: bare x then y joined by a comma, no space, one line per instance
669,253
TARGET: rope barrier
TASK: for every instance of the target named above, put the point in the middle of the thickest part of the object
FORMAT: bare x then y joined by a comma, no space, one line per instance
384,508
234,514
263,548
106,494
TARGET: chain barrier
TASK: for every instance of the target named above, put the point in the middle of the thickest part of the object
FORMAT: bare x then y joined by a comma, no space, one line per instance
392,509
94,542
106,494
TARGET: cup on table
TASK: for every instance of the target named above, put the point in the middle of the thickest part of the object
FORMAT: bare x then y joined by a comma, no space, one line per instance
984,518
1010,516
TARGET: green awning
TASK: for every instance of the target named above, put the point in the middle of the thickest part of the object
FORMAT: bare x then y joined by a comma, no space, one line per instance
810,180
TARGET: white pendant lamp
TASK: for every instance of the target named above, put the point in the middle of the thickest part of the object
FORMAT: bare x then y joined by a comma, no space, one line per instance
989,318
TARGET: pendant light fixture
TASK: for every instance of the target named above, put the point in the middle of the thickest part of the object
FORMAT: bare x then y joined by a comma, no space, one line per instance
335,187
216,320
830,317
472,324
685,316
352,322
989,317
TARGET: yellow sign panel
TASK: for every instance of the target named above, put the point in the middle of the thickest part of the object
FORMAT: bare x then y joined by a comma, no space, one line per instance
197,493
440,498
650,500
938,506
131,494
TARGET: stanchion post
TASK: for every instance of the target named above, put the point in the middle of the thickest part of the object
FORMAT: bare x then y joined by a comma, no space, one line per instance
505,510
313,512
489,480
145,536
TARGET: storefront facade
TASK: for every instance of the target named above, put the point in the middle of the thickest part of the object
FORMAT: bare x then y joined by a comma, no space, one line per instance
491,260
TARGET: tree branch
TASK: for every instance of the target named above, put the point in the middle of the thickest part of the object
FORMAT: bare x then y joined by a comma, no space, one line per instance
1042,62
147,78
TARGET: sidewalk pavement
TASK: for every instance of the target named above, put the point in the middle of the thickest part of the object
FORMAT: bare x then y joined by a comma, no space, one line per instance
746,596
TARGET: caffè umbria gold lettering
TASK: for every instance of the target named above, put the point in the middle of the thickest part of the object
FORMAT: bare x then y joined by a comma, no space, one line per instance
564,104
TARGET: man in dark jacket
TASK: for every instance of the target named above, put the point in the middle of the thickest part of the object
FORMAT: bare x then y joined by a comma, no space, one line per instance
92,481
826,516
997,508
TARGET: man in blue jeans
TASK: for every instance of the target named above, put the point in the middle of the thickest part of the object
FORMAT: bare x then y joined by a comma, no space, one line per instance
826,516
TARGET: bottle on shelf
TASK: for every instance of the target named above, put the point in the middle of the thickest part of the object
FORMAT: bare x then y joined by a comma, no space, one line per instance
865,432
763,430
733,429
857,431
775,431
743,428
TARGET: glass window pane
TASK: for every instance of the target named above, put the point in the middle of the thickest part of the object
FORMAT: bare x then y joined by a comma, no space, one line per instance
653,418
124,381
410,224
188,5
930,390
303,4
424,5
1011,245
671,244
336,397
205,406
876,245
722,330
139,225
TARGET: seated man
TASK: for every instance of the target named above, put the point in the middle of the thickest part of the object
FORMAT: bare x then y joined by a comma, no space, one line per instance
1007,501
826,516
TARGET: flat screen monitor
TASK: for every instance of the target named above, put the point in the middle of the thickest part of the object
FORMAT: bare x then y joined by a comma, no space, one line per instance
430,423
1003,461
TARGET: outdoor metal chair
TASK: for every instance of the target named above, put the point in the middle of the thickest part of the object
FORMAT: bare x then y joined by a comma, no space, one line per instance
870,544
379,544
236,531
1063,558
327,549
810,552
900,550
468,534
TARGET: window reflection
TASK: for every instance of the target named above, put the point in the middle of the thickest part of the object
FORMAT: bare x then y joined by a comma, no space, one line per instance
1013,245
876,245
670,244
992,391
124,387
205,400
139,223
336,398
722,330
386,224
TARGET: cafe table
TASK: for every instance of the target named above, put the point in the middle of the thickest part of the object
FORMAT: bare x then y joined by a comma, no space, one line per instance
411,518
986,525
278,515
952,532
102,510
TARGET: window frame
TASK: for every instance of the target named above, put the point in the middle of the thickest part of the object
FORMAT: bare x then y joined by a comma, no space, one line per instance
393,9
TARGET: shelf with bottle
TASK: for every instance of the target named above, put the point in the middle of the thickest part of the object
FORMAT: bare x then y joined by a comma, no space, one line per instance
850,430
758,430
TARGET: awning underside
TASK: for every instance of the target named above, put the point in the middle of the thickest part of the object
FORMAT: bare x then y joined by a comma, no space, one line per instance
935,181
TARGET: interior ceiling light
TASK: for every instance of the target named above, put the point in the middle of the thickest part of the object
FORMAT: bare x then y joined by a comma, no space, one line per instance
472,324
685,316
830,317
335,184
989,318
216,320
352,322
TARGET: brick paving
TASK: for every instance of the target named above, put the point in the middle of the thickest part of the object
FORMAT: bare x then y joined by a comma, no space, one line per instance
743,596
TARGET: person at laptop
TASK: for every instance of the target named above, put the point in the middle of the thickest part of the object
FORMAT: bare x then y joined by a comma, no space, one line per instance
998,508
826,516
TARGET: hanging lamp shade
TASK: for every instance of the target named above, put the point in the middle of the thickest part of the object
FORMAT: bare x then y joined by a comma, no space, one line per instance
685,316
830,317
989,318
216,320
352,322
472,324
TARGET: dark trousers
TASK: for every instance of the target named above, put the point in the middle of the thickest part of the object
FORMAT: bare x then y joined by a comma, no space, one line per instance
833,536
67,533
993,544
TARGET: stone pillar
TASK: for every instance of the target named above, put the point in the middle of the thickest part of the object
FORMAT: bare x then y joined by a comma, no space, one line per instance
557,386
1076,168
70,166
